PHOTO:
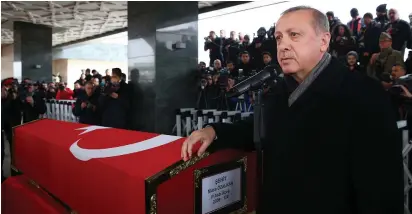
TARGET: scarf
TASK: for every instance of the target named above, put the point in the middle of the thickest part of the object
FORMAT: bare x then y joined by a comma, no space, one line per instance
311,77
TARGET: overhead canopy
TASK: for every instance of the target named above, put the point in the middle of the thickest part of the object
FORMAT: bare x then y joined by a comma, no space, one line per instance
76,20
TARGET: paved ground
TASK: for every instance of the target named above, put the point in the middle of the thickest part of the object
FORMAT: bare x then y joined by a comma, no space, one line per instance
7,159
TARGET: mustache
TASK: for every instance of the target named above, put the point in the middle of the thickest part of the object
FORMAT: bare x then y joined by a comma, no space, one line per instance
286,55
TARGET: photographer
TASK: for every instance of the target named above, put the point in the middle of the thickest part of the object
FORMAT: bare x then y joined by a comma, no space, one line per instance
270,45
398,88
114,104
256,49
86,106
245,44
232,48
214,45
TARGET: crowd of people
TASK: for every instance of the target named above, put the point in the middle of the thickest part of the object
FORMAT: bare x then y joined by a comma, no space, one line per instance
100,100
373,46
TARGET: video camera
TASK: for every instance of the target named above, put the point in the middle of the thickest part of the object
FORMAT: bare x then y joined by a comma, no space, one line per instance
111,88
405,81
208,39
88,104
222,81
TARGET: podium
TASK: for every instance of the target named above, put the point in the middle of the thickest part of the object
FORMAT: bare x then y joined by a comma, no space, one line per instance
94,169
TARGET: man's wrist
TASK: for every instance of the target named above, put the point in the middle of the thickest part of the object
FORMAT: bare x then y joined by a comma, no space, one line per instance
210,126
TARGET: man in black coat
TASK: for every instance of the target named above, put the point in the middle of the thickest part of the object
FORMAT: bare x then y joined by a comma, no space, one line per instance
369,41
86,106
329,131
114,104
33,104
214,45
400,32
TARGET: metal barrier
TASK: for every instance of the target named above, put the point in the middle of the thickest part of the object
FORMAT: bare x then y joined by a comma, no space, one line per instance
60,110
407,147
190,119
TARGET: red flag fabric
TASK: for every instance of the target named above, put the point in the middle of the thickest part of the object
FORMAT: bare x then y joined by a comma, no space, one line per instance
76,165
19,196
96,169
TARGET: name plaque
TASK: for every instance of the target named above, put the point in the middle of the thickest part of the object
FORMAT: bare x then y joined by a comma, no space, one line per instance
221,188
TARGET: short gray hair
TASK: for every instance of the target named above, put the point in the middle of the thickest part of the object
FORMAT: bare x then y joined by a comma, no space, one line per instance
320,21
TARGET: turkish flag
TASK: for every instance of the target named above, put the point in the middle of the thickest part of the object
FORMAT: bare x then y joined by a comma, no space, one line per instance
93,168
19,196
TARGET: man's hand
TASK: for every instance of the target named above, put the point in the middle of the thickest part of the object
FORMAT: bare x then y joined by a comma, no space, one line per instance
83,105
406,92
227,47
373,58
366,54
29,100
114,95
386,85
257,45
204,136
338,38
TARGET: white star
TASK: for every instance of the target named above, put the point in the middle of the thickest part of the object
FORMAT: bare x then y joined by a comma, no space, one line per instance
91,128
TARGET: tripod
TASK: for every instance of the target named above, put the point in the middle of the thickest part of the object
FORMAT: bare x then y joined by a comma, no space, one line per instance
241,104
222,103
202,93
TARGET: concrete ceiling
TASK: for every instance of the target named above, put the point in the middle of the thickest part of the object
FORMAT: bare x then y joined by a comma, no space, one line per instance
75,20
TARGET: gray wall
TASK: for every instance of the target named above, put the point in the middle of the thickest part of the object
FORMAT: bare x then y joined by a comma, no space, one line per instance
162,78
32,46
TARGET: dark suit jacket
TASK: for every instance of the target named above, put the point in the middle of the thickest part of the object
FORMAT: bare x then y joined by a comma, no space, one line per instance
335,150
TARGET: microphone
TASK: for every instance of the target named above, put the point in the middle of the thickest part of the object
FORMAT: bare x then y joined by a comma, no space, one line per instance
254,81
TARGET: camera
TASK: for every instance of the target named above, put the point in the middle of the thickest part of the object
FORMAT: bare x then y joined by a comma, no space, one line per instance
207,39
110,88
405,81
223,81
203,83
241,76
61,87
89,104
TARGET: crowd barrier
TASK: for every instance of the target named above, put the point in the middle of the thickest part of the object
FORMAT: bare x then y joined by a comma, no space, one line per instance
60,110
191,119
407,147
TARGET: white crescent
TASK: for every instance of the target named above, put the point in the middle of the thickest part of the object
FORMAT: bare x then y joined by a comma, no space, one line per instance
87,154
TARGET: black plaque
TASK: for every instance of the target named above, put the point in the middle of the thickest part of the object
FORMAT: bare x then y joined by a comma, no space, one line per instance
224,188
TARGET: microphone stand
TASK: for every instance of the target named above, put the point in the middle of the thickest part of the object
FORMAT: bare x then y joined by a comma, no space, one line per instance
258,136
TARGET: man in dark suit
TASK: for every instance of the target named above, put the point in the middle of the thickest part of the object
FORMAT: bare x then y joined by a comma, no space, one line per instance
329,131
114,104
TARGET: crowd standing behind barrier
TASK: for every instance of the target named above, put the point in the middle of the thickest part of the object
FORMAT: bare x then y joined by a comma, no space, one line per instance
240,56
